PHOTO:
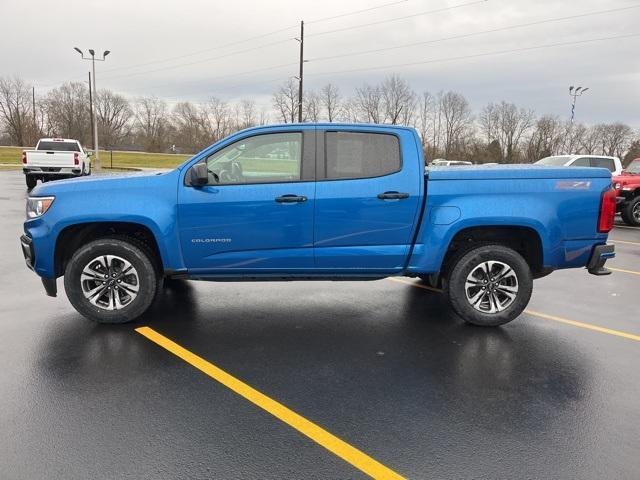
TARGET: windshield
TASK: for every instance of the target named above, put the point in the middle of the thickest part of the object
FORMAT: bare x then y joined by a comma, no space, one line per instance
59,146
557,161
634,167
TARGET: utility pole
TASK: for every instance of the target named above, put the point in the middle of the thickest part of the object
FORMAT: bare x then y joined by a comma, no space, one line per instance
95,92
574,93
93,131
300,77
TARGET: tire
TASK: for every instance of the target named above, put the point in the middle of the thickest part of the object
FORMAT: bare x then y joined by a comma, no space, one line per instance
498,302
631,212
115,301
31,182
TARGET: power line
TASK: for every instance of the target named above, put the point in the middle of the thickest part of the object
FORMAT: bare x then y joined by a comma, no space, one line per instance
256,37
472,34
204,60
207,50
396,19
170,67
443,60
478,55
355,12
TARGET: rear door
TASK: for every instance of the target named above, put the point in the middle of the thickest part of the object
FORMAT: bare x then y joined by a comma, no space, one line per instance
256,214
367,199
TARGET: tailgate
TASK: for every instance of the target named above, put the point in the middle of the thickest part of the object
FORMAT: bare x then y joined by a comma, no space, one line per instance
42,158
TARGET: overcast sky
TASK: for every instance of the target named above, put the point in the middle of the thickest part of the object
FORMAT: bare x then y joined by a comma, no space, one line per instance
194,49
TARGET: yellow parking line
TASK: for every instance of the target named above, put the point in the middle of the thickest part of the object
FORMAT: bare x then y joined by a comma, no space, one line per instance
566,321
349,454
633,272
613,240
588,326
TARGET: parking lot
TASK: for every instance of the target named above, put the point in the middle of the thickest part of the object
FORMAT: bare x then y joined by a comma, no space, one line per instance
327,380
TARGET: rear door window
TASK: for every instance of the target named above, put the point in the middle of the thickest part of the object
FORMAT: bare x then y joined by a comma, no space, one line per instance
361,155
607,163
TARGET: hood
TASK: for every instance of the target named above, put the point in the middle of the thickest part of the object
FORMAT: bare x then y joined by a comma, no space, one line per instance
508,172
96,183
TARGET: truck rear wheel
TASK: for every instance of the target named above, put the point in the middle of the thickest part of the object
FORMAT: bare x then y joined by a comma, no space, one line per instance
111,280
489,285
631,212
31,182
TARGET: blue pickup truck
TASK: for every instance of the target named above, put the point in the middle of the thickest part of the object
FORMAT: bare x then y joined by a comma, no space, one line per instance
318,202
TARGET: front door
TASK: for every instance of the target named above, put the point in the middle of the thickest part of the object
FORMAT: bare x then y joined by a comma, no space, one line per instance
255,216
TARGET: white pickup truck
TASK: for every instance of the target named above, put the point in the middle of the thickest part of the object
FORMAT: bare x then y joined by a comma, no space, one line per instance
55,158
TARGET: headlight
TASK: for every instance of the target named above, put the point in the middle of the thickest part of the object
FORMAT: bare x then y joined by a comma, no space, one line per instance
616,186
38,206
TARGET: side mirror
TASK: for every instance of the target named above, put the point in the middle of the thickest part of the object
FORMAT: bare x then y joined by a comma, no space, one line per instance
199,175
89,153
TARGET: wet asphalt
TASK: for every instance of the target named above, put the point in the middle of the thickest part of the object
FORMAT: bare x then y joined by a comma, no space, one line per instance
382,365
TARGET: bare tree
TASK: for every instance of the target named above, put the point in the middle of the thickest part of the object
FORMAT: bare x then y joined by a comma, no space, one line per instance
68,111
218,120
248,119
457,120
114,117
506,124
151,122
311,109
424,121
16,113
398,100
285,100
368,103
190,126
546,138
615,138
330,100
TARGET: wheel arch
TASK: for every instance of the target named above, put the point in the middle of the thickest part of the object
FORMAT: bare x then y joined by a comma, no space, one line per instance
523,239
74,236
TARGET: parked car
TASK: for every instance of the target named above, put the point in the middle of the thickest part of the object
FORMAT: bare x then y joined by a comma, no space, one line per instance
627,184
55,158
346,202
441,162
613,164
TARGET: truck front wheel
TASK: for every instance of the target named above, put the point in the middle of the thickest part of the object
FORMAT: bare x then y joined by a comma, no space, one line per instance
31,182
631,212
489,285
111,280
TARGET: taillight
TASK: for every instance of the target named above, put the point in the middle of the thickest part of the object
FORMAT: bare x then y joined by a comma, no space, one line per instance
24,157
607,211
76,158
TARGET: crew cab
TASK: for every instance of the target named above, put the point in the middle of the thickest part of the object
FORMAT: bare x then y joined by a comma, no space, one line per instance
55,158
627,185
613,164
318,202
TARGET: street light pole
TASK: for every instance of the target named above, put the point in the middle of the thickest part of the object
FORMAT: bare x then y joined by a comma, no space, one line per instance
95,93
574,93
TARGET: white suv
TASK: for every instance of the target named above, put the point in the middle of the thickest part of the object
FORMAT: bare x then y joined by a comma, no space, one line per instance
612,164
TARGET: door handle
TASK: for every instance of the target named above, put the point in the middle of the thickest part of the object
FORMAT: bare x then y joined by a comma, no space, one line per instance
290,198
393,195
